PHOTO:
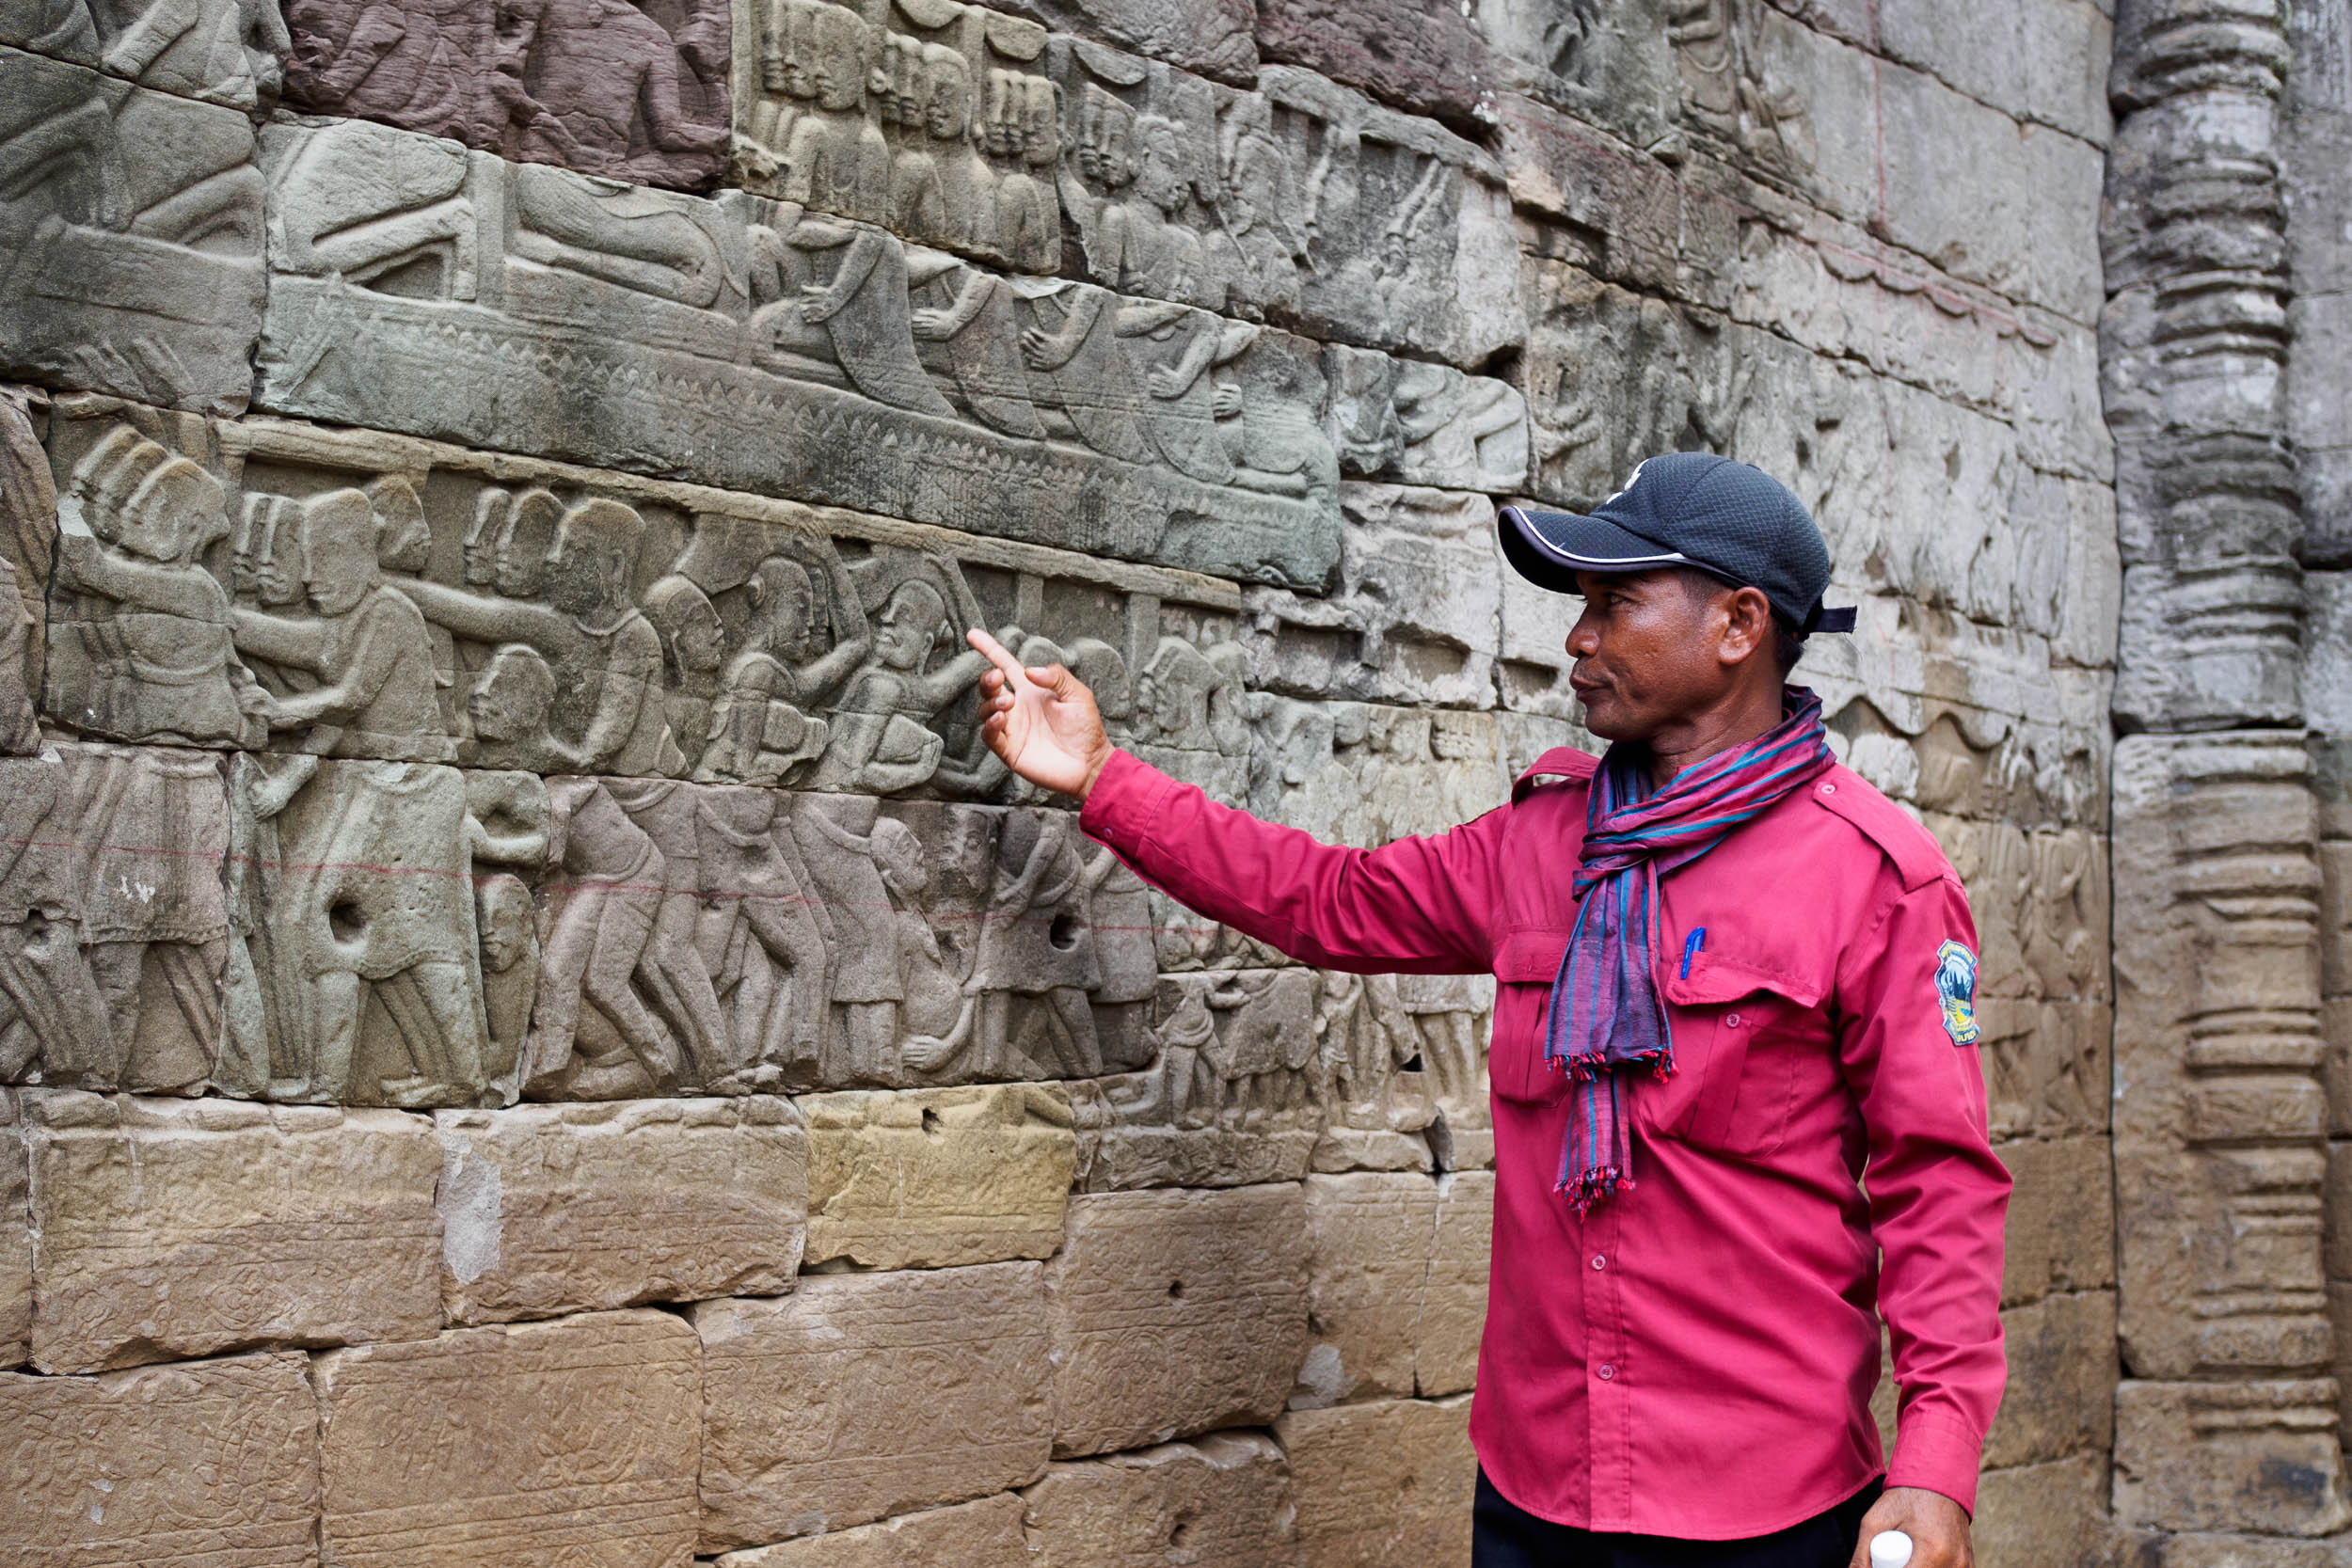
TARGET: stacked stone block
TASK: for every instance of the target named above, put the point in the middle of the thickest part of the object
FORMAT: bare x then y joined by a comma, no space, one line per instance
535,1030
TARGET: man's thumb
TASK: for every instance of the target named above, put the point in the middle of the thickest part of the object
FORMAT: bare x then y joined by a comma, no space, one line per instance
1054,678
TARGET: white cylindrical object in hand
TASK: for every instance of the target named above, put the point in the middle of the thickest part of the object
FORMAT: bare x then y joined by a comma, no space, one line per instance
1890,1548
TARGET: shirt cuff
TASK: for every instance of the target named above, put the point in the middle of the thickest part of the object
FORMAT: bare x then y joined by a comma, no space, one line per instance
1124,802
1937,1456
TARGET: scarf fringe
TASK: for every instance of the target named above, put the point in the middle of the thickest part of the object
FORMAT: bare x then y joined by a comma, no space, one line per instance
1590,1187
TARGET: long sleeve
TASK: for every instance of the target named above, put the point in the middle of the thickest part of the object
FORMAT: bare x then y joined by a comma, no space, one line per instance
1418,905
1937,1194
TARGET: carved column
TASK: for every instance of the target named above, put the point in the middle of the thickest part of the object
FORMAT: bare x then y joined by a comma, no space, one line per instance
2227,1420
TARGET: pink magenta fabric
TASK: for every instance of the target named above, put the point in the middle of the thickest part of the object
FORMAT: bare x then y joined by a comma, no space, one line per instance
1696,1357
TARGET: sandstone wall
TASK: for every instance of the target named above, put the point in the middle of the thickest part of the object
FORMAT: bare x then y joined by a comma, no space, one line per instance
537,1032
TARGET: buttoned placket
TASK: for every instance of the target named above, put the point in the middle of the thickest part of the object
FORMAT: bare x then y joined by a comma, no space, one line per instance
1608,1388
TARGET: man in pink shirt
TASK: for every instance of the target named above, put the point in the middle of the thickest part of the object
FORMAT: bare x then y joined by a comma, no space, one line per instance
1738,1112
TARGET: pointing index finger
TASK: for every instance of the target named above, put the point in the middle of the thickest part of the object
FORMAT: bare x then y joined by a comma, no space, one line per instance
996,653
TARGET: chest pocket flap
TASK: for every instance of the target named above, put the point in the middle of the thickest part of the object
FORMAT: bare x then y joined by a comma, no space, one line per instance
1735,1056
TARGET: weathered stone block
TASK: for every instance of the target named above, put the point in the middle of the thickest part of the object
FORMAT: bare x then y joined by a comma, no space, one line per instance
1223,1498
1614,66
2044,62
1370,1237
1175,1312
2047,1066
2043,1515
175,1228
984,1534
1382,1485
1454,1313
870,1394
2253,1455
2013,207
1422,55
2061,1232
212,1463
145,281
2061,1380
16,1241
550,1208
932,1177
513,1446
2219,1060
623,94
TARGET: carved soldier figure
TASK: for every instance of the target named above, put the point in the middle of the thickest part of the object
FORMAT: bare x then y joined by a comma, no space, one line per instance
767,939
761,729
879,740
615,704
140,646
153,825
1038,940
600,929
369,649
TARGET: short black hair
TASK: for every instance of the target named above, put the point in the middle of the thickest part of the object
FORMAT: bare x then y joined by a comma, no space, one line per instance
1701,585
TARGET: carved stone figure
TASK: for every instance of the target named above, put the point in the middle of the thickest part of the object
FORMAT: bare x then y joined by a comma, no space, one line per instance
131,231
141,645
597,86
373,691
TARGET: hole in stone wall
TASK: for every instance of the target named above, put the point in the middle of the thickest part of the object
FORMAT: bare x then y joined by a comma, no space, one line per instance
932,1125
346,920
1063,932
1175,1290
1413,1063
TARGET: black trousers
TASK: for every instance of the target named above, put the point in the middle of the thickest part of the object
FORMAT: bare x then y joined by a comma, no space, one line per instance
1503,1535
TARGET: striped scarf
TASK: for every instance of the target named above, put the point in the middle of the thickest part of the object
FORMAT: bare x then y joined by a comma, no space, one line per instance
1606,1021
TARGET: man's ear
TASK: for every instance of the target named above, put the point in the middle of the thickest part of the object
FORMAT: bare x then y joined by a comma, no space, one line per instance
1748,631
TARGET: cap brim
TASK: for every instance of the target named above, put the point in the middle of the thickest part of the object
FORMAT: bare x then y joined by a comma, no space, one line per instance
1549,548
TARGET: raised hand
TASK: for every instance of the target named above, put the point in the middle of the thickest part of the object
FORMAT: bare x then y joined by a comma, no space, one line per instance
1042,724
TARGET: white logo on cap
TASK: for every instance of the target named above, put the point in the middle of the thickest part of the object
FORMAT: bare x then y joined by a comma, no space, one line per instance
1631,480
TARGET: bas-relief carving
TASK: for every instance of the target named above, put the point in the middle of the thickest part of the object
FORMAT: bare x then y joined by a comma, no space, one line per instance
28,504
1299,203
733,939
752,344
114,929
353,595
599,85
230,52
1729,93
927,116
131,236
1262,1074
1414,617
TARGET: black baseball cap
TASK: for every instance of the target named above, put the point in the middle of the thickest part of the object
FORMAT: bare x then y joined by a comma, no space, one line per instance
1731,520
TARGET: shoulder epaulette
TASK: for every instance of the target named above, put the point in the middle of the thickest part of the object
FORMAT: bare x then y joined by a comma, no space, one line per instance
1560,761
1918,860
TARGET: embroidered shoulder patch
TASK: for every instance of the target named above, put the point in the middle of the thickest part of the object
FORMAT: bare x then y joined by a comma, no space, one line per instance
1956,987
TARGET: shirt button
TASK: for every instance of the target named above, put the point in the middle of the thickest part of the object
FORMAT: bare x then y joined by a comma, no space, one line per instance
1731,1021
1599,1261
1829,789
1607,1371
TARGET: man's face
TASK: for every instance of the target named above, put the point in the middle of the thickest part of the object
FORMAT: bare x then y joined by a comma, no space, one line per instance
1649,652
